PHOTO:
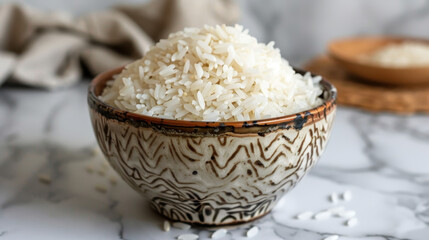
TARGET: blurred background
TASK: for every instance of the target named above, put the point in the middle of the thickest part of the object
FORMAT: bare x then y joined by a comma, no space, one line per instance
301,29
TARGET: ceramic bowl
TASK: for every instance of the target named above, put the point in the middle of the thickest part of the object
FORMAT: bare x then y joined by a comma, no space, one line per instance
348,53
210,173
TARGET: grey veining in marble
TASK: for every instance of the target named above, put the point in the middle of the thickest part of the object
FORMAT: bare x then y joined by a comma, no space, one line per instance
383,159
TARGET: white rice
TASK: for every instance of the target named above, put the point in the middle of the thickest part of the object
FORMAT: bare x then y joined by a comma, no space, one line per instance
336,210
181,225
346,214
406,54
347,195
323,215
252,232
216,73
166,226
352,222
305,215
220,233
334,198
189,236
332,237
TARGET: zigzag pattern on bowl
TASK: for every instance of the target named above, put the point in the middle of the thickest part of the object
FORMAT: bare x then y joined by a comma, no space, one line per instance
214,180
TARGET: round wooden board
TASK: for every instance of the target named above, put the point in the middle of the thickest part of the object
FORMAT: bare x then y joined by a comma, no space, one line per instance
355,92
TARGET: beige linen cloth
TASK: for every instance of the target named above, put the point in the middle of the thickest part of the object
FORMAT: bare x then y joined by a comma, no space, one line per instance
49,49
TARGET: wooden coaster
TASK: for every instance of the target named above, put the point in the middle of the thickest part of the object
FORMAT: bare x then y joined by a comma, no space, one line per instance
353,91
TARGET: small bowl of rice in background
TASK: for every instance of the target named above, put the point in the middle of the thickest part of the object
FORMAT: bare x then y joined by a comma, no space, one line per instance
398,61
211,126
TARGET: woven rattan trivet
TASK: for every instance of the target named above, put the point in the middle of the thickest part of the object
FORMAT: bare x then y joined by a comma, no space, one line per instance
355,92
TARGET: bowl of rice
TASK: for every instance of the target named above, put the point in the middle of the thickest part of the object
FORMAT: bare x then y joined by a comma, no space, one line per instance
211,126
400,61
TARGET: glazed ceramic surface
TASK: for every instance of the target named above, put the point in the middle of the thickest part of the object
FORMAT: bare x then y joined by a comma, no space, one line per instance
211,172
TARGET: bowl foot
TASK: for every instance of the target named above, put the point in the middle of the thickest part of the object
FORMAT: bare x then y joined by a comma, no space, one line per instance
206,215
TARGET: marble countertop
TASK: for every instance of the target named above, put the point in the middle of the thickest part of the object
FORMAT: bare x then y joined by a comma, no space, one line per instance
54,184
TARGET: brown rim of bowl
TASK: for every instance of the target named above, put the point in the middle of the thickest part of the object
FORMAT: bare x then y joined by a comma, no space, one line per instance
297,120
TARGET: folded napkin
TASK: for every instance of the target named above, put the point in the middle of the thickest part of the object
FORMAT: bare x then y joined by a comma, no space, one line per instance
49,49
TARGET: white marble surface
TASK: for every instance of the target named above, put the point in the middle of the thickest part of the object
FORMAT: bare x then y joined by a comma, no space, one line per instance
382,159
